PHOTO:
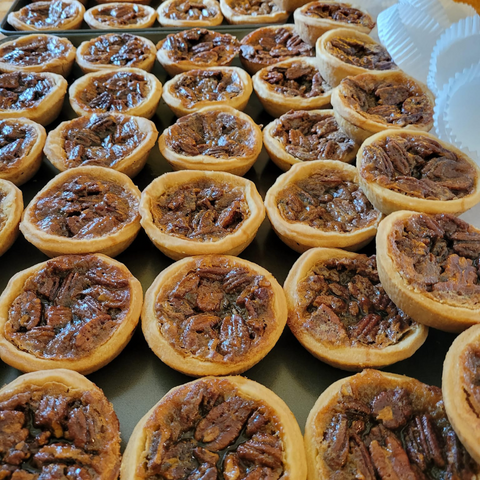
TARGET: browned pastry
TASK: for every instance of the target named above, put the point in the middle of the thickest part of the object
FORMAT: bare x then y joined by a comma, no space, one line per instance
83,210
230,428
402,170
113,140
189,13
11,208
428,265
37,53
57,424
213,315
196,48
247,12
381,425
120,15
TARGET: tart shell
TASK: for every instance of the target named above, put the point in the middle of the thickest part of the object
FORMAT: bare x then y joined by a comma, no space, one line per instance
92,22
12,206
234,18
214,21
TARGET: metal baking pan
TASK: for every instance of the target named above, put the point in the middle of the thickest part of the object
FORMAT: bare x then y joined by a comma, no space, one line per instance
137,379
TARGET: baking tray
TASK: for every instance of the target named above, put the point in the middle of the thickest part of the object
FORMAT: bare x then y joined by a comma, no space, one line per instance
137,379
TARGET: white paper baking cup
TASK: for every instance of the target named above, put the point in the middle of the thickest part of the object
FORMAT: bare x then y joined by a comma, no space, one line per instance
472,216
374,8
438,116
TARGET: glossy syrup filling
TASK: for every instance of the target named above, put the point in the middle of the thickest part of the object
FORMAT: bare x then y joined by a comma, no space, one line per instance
20,90
189,10
46,15
16,141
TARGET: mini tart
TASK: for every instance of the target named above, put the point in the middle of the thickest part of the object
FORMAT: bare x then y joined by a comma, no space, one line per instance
130,91
428,265
221,407
230,141
196,48
55,15
213,315
227,212
302,136
120,15
248,12
269,45
344,52
46,320
338,213
62,423
294,84
406,170
21,149
381,425
185,13
36,96
38,53
11,208
83,210
116,50
412,109
112,140
315,18
191,91
339,311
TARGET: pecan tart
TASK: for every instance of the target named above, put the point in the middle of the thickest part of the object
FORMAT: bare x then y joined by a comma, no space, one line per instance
213,315
37,53
320,204
294,84
113,140
190,91
21,149
83,210
196,48
196,212
120,15
36,96
428,265
370,103
54,15
11,208
131,91
214,138
345,53
402,170
339,311
381,425
269,45
303,136
57,424
231,428
189,13
248,12
74,311
116,50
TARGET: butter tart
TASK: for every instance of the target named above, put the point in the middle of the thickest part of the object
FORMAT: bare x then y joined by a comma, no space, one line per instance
428,265
248,12
196,48
315,18
344,52
214,138
190,91
131,91
74,311
11,208
213,315
269,45
113,140
116,50
185,13
339,311
230,427
37,53
21,149
370,103
58,424
54,15
381,425
120,15
83,210
196,212
294,84
303,136
406,170
36,96
320,204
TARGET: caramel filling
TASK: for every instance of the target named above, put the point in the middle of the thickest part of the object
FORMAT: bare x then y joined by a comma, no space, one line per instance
339,12
253,8
20,90
16,141
45,15
189,10
125,14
